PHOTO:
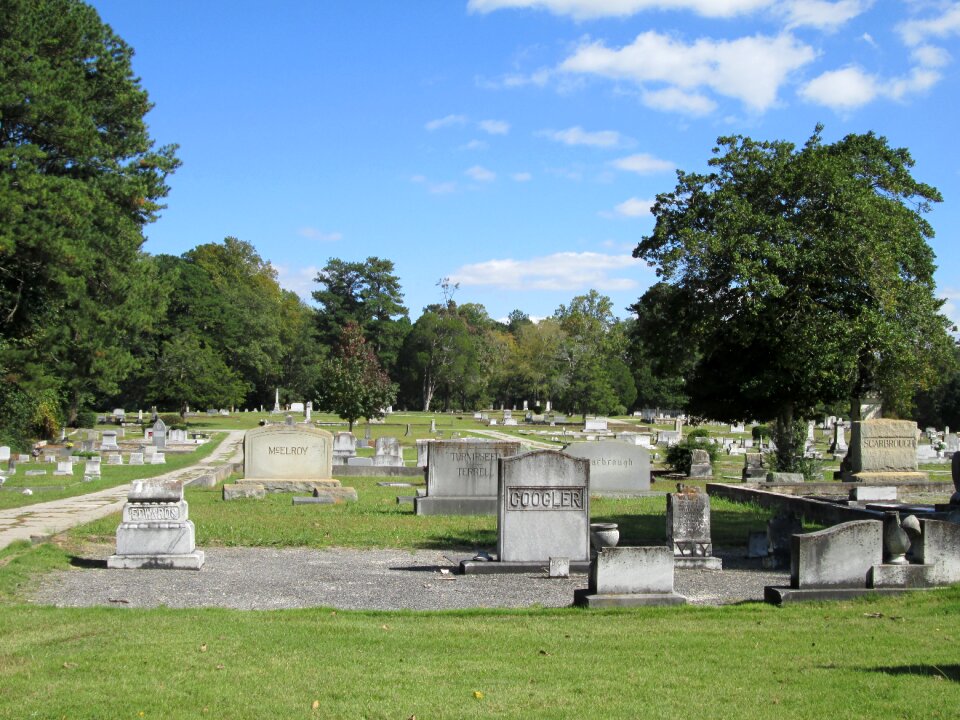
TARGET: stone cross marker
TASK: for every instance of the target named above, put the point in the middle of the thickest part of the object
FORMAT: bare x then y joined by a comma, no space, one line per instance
543,508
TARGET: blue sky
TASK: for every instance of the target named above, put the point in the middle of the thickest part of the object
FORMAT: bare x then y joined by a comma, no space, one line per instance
514,146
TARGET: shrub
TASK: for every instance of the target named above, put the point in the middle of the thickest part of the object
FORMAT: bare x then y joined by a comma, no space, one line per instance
86,419
679,456
761,432
171,420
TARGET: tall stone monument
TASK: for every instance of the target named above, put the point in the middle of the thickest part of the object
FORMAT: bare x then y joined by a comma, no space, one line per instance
882,451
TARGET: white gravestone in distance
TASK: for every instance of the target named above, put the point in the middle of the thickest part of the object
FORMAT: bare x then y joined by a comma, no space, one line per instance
159,436
155,532
288,458
109,440
615,466
543,508
462,477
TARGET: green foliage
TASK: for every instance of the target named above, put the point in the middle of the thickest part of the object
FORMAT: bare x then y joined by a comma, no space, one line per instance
761,432
189,370
86,419
679,456
366,293
354,386
814,260
80,179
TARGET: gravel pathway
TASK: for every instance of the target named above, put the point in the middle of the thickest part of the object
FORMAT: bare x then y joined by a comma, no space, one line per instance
268,579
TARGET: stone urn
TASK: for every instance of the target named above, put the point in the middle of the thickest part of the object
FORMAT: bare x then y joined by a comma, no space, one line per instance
896,542
603,535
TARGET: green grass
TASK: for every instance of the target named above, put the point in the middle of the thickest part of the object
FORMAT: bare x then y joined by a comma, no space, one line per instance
112,475
894,657
377,521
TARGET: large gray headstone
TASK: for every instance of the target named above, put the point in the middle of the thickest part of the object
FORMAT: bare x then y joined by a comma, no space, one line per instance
882,451
543,507
615,466
287,452
840,556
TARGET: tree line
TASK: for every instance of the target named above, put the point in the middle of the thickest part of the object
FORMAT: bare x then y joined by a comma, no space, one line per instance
792,281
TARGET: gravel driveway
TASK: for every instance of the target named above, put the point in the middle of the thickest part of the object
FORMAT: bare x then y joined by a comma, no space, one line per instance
267,579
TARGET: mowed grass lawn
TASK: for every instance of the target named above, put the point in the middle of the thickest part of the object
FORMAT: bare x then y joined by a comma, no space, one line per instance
890,657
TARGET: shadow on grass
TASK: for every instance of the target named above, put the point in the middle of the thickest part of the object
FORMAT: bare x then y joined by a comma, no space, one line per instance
486,539
944,672
82,562
727,528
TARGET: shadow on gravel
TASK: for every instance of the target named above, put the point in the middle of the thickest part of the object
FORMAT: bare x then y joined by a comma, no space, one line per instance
82,562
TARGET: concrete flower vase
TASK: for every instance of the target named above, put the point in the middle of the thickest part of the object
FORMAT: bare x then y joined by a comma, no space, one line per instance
603,535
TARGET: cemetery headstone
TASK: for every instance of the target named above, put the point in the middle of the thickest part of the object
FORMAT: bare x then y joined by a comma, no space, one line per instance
92,467
109,440
462,477
136,458
114,459
388,452
291,458
882,452
668,438
688,530
615,467
753,467
155,531
630,577
64,467
700,464
158,458
159,434
595,425
543,508
423,452
344,447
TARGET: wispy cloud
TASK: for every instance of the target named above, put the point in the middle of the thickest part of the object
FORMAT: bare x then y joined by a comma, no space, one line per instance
312,233
298,280
494,127
480,174
560,271
435,188
591,9
522,177
643,164
748,69
630,208
820,14
447,121
942,26
578,136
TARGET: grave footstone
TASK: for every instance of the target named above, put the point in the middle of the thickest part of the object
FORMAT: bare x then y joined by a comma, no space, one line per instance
64,468
630,577
136,458
155,531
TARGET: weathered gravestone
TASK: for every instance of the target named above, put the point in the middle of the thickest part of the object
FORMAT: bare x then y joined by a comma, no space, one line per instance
423,452
543,511
630,577
462,477
344,447
92,467
155,532
700,464
388,452
114,459
839,444
882,452
688,530
753,467
291,458
136,458
4,453
159,434
615,467
595,425
109,440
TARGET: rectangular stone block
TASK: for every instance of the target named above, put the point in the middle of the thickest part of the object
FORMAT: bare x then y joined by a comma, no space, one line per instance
873,493
155,538
466,468
251,490
883,446
543,507
840,556
151,490
615,466
939,547
286,452
622,570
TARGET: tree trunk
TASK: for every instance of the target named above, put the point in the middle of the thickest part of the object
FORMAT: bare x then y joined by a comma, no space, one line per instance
855,403
785,436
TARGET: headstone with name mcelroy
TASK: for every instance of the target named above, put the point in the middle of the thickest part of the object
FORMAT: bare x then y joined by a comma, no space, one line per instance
155,531
688,530
291,458
462,477
882,452
543,508
616,467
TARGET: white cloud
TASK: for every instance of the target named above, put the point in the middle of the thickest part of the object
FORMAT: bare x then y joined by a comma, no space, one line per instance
560,271
474,145
587,9
480,174
673,99
851,87
749,69
299,280
844,89
538,78
314,234
634,207
522,177
494,127
447,121
916,32
578,136
643,164
442,188
930,56
821,14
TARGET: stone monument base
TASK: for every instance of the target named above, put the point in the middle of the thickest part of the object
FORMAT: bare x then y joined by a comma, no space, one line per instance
885,478
697,563
434,505
186,561
781,595
584,598
290,485
495,567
